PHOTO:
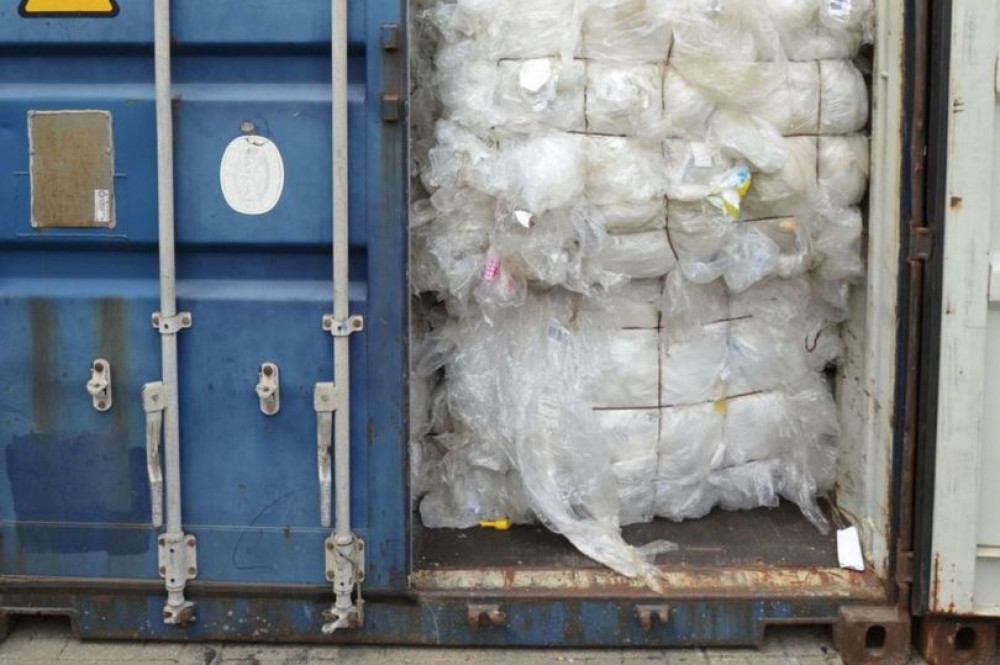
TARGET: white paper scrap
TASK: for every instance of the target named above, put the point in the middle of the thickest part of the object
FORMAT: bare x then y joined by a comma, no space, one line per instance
849,549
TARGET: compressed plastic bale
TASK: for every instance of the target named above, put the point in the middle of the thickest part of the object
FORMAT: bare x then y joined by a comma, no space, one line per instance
694,369
748,486
467,87
631,436
778,300
473,495
756,427
626,30
749,256
844,169
540,172
460,159
624,99
526,377
844,108
791,190
692,444
805,36
838,237
634,217
724,31
767,354
635,255
690,169
623,170
632,377
523,29
542,93
846,13
741,136
636,489
794,107
686,107
635,304
690,306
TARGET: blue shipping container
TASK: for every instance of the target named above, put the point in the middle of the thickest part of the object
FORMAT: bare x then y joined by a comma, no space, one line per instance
80,280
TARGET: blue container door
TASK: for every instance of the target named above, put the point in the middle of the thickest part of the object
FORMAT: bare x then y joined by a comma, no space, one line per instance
74,493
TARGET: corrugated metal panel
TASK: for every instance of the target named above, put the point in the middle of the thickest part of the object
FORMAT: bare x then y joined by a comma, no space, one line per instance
964,563
74,498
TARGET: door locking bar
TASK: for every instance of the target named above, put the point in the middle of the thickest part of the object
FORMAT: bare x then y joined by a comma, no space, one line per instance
345,552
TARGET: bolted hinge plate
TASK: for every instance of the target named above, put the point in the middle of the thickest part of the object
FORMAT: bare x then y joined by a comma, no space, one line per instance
170,325
344,328
178,557
921,243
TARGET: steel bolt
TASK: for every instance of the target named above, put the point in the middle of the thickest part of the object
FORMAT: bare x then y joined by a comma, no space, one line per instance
356,323
163,570
101,405
161,540
190,542
329,574
247,127
268,370
98,366
192,570
186,320
329,546
156,321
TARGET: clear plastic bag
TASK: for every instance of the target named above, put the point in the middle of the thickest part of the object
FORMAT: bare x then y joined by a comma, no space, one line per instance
543,93
624,99
626,30
634,255
844,108
630,378
541,172
521,382
843,169
624,170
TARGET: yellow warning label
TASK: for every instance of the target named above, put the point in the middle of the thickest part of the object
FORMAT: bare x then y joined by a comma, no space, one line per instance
69,8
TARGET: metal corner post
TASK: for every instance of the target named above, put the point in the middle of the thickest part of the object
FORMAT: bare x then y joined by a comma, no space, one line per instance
344,551
177,551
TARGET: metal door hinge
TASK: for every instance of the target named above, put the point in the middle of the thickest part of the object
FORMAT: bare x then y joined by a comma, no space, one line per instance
345,568
99,386
391,99
170,325
269,389
178,561
921,243
344,328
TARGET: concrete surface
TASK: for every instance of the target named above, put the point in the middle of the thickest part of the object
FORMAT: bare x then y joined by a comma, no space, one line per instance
41,641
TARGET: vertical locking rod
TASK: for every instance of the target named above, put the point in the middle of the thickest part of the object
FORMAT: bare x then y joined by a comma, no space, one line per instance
346,549
177,609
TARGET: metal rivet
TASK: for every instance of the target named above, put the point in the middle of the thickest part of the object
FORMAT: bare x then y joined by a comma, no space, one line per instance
161,540
190,542
247,127
329,546
186,320
99,366
268,370
329,574
101,405
192,570
163,570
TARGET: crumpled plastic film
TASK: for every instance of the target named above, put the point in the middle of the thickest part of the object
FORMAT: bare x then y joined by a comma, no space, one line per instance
634,230
844,107
541,93
624,99
626,30
843,169
522,383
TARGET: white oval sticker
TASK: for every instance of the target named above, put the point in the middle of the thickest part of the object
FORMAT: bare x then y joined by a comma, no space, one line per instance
252,175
